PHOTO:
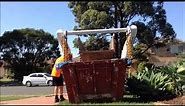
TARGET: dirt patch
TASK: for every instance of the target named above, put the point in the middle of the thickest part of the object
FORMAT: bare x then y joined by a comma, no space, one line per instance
175,101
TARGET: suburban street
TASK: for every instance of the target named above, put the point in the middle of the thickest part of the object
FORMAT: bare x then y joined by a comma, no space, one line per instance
23,90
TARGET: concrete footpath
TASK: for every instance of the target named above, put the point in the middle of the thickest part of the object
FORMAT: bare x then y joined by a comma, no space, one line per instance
42,100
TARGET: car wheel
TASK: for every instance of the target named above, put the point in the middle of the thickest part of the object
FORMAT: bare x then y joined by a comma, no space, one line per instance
28,83
50,83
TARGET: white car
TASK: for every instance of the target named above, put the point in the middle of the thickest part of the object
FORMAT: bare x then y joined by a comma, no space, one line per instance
37,79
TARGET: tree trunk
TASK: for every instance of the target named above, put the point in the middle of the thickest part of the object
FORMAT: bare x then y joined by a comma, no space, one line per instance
116,35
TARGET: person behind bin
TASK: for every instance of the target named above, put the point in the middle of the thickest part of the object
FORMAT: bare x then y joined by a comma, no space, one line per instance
58,78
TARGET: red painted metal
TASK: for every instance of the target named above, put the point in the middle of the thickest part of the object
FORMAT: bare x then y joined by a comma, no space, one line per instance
95,80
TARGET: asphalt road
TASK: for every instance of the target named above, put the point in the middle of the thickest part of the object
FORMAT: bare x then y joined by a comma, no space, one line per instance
23,90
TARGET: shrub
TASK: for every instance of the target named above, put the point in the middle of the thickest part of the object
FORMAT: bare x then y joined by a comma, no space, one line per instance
177,72
9,74
151,82
144,64
148,84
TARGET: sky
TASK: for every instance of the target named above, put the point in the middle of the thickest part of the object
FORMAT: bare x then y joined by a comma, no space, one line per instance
51,16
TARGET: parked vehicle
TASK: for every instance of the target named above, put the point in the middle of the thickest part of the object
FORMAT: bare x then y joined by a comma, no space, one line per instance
37,79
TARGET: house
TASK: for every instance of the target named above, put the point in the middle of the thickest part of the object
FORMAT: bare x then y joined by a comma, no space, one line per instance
168,54
177,48
171,49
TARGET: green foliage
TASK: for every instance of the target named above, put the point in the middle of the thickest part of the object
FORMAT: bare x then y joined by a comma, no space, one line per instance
90,16
46,69
27,50
137,49
177,73
157,82
181,55
94,43
141,66
181,70
177,78
9,75
148,84
145,35
114,14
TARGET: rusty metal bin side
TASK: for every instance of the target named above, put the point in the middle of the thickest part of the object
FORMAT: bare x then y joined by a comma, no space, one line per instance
69,78
86,56
95,80
119,79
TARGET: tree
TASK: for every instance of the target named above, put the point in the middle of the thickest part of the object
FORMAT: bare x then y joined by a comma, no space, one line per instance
27,50
119,14
98,42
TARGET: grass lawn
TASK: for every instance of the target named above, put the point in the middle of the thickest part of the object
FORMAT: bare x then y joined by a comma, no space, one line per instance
127,100
6,80
14,97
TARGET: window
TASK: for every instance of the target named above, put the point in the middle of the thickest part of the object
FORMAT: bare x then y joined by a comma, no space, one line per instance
48,75
40,75
34,75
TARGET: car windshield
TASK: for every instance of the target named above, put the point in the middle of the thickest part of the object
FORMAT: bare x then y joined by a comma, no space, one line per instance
48,75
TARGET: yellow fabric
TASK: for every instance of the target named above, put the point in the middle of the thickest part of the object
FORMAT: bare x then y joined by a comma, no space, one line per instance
129,47
55,72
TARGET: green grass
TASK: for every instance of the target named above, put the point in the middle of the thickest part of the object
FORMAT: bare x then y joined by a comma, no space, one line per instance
6,80
127,100
14,97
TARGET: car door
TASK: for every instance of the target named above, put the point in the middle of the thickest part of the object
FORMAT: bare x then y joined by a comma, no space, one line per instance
41,79
33,78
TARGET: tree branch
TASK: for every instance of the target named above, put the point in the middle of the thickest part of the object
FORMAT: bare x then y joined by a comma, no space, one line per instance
143,51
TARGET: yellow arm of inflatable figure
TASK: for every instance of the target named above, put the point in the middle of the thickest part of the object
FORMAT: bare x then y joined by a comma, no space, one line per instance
64,45
127,51
129,47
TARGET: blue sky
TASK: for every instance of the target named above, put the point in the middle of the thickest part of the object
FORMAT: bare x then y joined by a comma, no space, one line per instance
51,16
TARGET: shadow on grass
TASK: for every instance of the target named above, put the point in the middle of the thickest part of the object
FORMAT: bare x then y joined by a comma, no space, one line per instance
127,99
136,99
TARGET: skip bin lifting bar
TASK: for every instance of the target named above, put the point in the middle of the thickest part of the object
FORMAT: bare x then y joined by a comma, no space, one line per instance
132,28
